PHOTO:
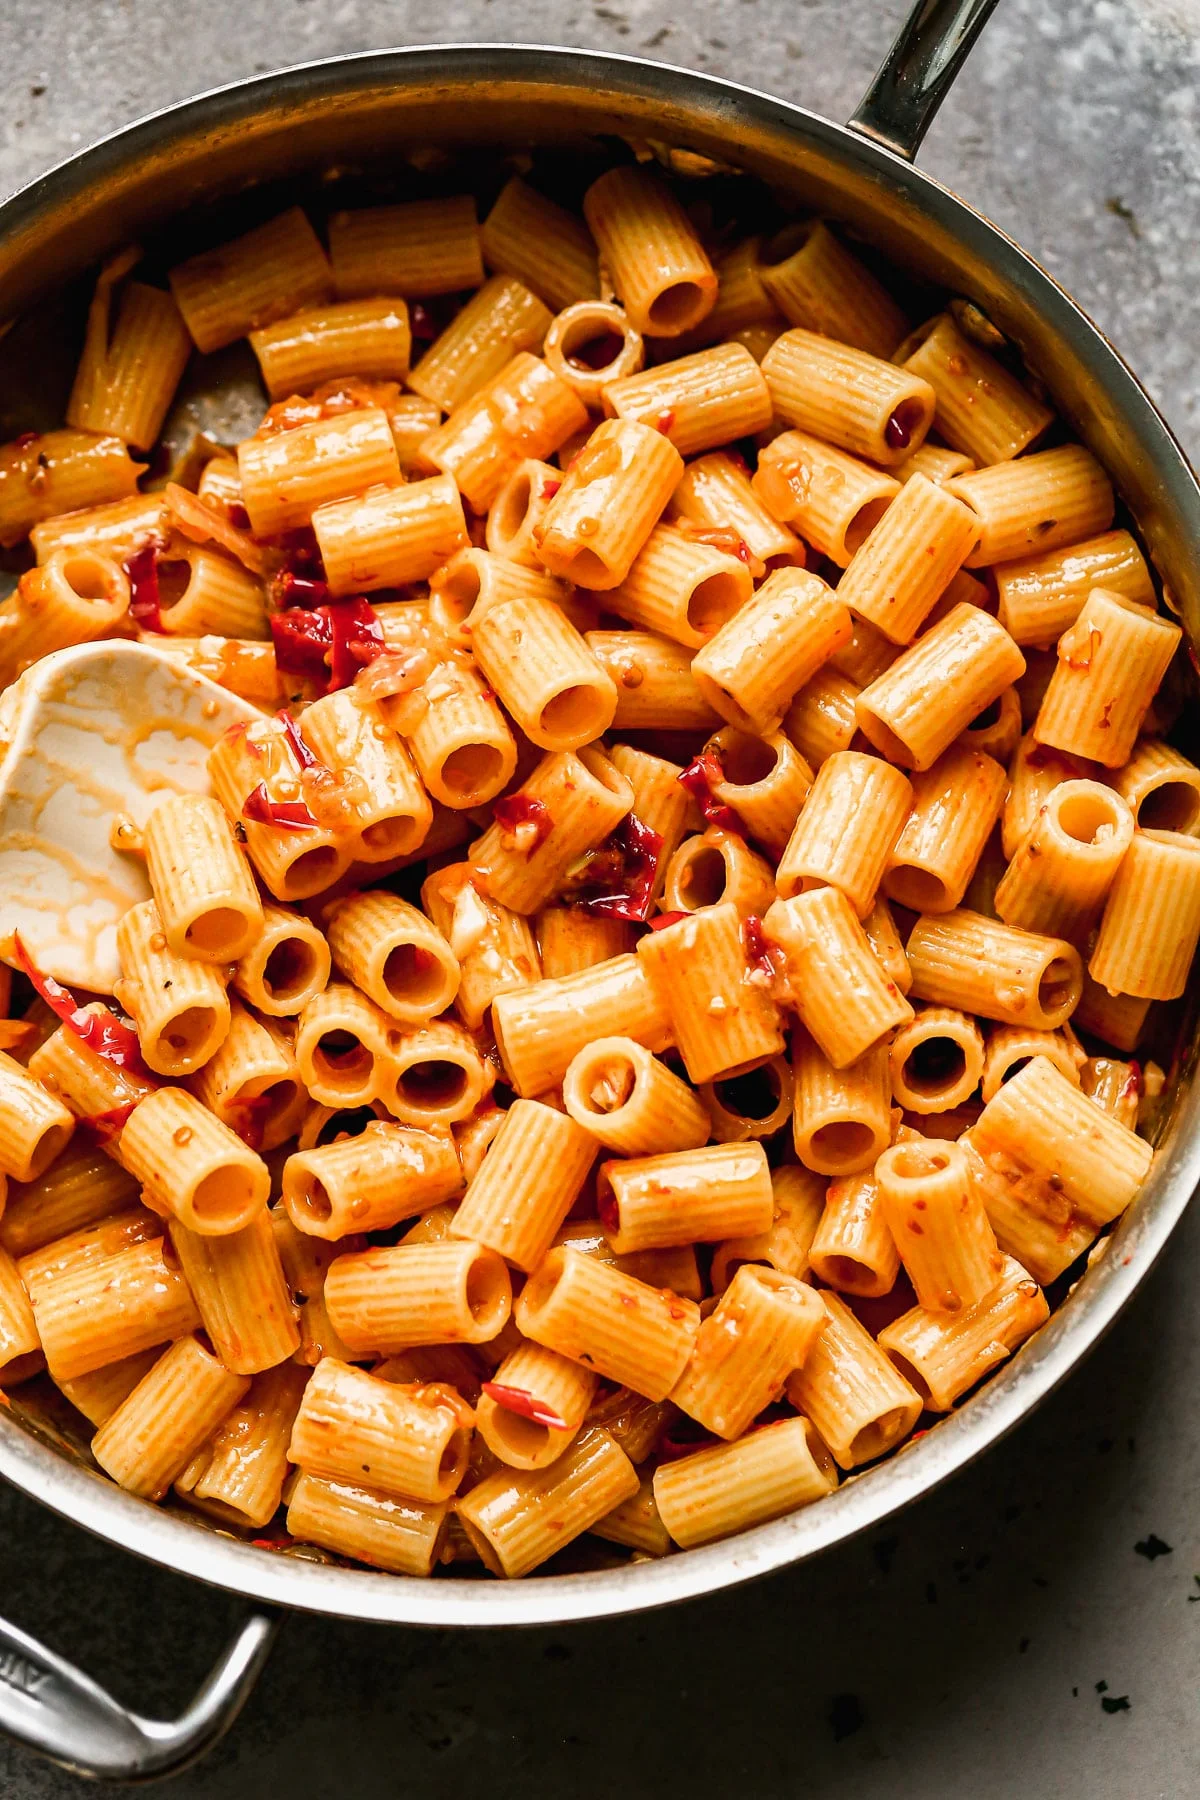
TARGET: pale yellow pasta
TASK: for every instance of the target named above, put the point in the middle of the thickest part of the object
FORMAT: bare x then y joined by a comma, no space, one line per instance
716,496
286,965
571,938
944,1354
527,1183
1110,663
698,402
754,665
1009,1048
408,1440
859,1403
579,797
516,1519
355,337
1160,787
854,789
500,321
611,497
389,535
379,807
842,1118
1119,1019
293,864
403,1536
635,1523
238,1285
655,688
523,410
179,1006
98,1395
659,800
681,588
94,1244
685,1196
439,1293
519,506
717,867
1151,920
654,258
675,1268
286,476
457,735
847,397
762,1329
1113,1085
79,1187
931,693
542,244
419,248
1057,881
412,418
541,1028
638,1336
543,671
494,947
591,344
936,1060
276,269
729,1488
909,559
35,1125
391,951
340,1046
369,1182
192,1165
245,1462
630,1102
935,461
52,472
433,1075
840,991
306,1261
1035,504
956,803
720,1020
821,720
981,408
129,370
99,1311
116,528
996,731
203,592
816,282
174,1408
853,1250
559,1389
18,1329
71,598
205,893
938,1223
1040,596
832,499
799,1197
89,1086
765,780
1034,772
252,1081
961,959
754,1104
886,942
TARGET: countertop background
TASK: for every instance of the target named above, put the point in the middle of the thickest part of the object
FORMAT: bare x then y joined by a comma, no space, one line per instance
1026,1629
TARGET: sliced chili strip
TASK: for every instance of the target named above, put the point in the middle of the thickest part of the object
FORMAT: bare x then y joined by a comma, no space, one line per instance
103,1032
521,1401
290,815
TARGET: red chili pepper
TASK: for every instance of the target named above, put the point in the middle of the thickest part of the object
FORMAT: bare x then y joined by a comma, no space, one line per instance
296,744
625,871
144,601
607,1210
301,552
250,1119
665,420
326,641
357,639
757,944
103,1032
108,1125
699,778
289,815
238,515
549,489
513,810
299,590
25,440
420,322
663,920
521,1401
301,641
1133,1081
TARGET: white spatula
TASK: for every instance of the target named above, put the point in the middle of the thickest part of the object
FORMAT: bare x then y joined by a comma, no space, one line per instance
86,735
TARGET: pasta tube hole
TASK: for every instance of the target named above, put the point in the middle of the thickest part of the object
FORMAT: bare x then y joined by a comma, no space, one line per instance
848,1275
864,522
511,509
290,969
912,1375
746,760
1175,806
918,889
50,1145
488,1290
784,244
471,769
576,710
879,1436
453,1463
752,1095
414,975
225,1196
174,580
91,577
586,568
313,1198
682,304
916,1162
311,871
390,837
341,1058
1086,817
215,929
712,602
934,1066
189,1031
843,1141
431,1085
521,1437
1059,987
703,879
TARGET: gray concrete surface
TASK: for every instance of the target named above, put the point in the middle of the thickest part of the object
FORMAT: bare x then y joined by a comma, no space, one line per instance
971,1646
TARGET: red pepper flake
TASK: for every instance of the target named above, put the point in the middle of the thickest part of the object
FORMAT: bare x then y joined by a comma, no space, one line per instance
357,639
301,553
521,1401
512,811
667,919
290,815
1133,1082
302,641
420,322
144,601
26,440
296,744
299,590
757,944
618,879
699,778
103,1032
322,639
665,421
108,1125
607,1210
549,489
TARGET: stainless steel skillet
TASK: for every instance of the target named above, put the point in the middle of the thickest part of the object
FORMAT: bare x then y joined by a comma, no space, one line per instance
367,109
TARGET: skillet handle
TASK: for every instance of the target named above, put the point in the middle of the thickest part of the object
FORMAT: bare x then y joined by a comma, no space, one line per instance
916,74
51,1707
